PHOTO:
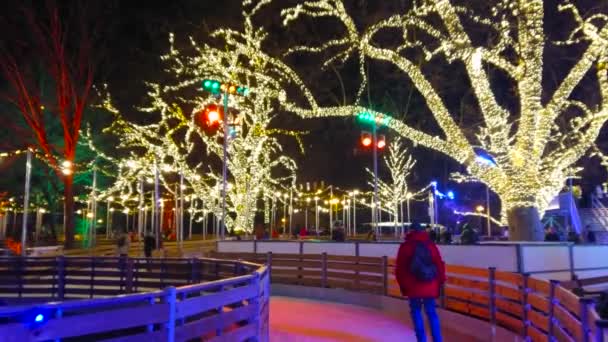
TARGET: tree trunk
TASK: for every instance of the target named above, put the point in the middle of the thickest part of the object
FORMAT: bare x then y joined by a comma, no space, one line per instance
524,224
68,222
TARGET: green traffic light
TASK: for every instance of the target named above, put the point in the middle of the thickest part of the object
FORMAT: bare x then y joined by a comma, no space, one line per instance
216,85
206,84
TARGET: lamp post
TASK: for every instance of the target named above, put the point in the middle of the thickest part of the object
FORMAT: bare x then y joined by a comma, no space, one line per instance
355,193
317,215
283,220
480,210
306,214
26,201
488,210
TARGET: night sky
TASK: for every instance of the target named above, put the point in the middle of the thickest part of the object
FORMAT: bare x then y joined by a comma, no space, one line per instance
133,34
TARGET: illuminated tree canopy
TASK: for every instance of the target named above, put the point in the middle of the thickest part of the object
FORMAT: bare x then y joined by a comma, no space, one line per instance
533,152
178,145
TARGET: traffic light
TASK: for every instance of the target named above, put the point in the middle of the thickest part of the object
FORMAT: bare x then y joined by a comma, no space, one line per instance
216,87
366,139
211,86
381,141
210,118
378,119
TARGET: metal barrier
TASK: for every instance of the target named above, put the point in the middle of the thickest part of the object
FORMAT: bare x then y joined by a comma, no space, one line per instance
132,299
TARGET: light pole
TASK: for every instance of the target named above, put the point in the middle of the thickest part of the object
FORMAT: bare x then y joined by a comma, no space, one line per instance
317,215
488,209
355,193
480,209
306,214
407,199
26,201
283,220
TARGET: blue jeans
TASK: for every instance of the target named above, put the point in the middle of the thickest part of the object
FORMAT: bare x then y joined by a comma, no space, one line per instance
416,312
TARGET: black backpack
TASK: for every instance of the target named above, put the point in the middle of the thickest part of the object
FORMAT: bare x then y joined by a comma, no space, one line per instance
422,265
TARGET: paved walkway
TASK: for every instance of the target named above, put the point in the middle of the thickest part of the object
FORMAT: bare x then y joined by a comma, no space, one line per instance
302,320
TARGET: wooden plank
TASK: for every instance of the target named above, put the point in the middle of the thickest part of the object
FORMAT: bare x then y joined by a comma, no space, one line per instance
240,334
511,323
508,277
466,270
355,267
541,286
14,332
510,307
155,336
561,335
508,292
467,308
538,303
103,321
593,281
355,259
567,321
195,305
539,320
203,326
468,283
296,263
536,335
467,295
568,300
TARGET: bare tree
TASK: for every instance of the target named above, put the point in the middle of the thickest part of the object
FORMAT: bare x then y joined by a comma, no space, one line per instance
66,58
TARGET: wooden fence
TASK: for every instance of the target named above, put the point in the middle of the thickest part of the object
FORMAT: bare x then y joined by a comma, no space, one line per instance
536,309
131,299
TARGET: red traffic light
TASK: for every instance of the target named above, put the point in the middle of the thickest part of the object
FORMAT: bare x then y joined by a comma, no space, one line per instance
366,139
210,118
381,141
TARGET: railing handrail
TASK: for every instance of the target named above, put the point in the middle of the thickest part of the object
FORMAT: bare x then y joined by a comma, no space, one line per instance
171,307
540,307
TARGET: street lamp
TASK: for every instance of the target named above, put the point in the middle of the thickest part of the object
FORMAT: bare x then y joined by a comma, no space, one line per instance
491,163
306,214
317,215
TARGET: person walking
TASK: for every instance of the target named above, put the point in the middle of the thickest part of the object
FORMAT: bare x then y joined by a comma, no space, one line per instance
149,242
122,245
420,272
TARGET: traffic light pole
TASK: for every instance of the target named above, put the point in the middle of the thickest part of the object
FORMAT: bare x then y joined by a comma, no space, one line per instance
375,206
224,167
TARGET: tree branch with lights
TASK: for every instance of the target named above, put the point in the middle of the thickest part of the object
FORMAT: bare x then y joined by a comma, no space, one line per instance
256,163
532,155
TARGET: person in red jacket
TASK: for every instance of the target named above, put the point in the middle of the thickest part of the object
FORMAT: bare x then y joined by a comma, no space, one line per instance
420,272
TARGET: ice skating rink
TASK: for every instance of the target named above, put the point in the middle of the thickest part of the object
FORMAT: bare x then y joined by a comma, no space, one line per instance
293,319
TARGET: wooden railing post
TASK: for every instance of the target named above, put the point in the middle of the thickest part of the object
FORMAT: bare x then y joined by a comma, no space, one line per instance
385,275
552,302
195,271
20,260
258,304
92,277
60,277
324,270
269,264
524,303
170,297
129,276
585,304
602,328
492,298
266,313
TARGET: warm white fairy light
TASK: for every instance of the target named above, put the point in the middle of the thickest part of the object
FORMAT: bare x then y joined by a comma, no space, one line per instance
394,191
255,155
533,157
